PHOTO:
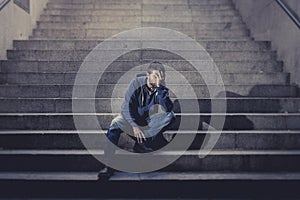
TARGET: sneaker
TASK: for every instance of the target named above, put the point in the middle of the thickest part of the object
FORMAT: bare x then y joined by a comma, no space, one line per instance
106,173
141,148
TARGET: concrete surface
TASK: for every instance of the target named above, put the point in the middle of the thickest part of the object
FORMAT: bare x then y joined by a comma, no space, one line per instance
267,21
16,23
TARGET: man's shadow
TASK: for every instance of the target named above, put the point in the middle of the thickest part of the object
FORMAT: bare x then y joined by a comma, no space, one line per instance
233,120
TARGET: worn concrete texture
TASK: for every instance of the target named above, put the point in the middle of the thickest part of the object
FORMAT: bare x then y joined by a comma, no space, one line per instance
267,21
16,23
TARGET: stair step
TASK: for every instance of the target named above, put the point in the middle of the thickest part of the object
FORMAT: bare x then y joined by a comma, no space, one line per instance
74,37
196,19
194,7
171,25
176,77
144,1
81,32
234,121
94,1
128,6
70,139
184,2
100,12
132,6
80,55
106,33
84,185
137,12
88,26
190,2
106,90
200,28
143,19
197,25
157,176
91,44
103,105
82,160
69,66
66,18
185,176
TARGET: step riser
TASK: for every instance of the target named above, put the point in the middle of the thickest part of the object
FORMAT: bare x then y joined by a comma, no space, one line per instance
144,19
94,36
136,55
144,1
90,45
133,6
138,13
77,19
105,91
185,2
104,105
242,141
87,33
62,67
86,186
196,25
76,12
185,27
115,25
210,163
175,78
100,12
237,122
102,26
159,15
194,7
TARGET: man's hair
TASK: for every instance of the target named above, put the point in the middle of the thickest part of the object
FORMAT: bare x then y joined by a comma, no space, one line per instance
155,65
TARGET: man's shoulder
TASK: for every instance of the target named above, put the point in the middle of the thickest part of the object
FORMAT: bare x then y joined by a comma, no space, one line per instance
140,80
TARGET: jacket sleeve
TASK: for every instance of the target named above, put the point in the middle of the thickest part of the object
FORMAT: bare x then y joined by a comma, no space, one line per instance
164,99
130,103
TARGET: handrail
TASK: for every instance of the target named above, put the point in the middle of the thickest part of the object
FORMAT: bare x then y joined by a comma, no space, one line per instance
294,17
22,5
3,4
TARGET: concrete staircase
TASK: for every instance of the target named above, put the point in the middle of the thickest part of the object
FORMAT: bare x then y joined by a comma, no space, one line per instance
41,153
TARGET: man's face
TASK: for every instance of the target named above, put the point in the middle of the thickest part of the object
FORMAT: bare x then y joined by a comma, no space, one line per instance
156,78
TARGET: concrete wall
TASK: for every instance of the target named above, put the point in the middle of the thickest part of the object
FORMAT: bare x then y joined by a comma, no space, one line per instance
267,21
15,23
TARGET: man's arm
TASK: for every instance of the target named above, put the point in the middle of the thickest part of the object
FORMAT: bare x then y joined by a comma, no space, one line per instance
163,93
164,99
130,103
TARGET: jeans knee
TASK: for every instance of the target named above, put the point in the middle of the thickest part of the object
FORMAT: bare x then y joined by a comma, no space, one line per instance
113,132
171,116
113,135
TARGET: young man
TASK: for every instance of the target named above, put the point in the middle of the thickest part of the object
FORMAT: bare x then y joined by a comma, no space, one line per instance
139,114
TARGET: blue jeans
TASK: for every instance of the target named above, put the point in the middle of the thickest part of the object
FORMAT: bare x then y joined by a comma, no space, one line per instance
157,123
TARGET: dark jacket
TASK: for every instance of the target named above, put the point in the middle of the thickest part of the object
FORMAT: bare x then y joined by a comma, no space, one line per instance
139,102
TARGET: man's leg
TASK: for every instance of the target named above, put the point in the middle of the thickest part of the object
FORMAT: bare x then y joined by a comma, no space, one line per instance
118,126
158,123
113,135
127,128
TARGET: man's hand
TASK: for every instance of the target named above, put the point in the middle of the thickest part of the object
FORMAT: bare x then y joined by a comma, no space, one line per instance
160,78
138,133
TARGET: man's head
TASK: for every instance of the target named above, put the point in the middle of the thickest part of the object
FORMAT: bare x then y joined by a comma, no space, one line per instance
155,75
